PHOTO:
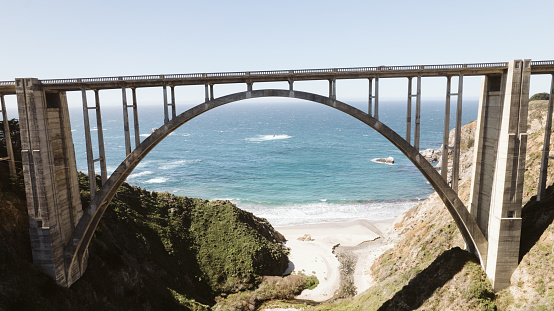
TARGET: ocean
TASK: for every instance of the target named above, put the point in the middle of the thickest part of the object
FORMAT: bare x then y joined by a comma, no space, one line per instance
292,162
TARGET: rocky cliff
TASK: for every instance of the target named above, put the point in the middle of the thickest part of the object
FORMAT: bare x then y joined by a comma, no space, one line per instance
428,270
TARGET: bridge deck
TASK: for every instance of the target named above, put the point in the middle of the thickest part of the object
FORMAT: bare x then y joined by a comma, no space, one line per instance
537,67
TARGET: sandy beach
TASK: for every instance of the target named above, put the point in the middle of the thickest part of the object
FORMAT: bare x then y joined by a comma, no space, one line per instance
312,252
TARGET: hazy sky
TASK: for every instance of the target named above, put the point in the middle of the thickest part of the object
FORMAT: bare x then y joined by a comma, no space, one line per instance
73,38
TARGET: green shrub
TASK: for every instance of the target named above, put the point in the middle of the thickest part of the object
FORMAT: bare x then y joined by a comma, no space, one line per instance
271,288
311,282
540,96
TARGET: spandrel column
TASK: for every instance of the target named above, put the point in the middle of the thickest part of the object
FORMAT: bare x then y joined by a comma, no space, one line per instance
546,145
409,112
8,137
135,117
101,150
126,122
446,133
88,143
457,137
417,114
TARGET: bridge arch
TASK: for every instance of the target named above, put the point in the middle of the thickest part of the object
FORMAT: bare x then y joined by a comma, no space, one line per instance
76,249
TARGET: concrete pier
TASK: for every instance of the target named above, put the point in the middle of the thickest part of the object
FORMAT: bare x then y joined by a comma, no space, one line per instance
499,164
50,173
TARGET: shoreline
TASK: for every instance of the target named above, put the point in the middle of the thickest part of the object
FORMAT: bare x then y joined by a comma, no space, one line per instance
313,250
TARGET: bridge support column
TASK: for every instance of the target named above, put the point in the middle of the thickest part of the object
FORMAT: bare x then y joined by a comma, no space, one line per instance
100,131
409,112
173,107
333,89
166,107
417,114
376,107
88,144
135,115
485,148
457,136
249,86
446,132
291,88
126,121
496,193
8,138
546,145
50,174
373,96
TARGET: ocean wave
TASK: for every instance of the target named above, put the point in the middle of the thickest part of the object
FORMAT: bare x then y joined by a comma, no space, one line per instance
325,212
140,174
260,138
174,164
157,180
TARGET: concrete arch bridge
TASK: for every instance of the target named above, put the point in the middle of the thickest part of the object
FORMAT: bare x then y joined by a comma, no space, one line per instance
61,229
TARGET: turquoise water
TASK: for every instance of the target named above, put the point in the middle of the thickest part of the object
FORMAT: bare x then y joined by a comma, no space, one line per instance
290,162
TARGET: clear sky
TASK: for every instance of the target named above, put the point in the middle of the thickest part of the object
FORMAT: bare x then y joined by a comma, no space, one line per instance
75,38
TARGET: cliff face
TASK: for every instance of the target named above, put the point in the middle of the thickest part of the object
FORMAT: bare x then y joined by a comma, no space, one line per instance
152,251
428,270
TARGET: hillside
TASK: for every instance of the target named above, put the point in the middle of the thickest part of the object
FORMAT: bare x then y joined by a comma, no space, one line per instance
152,251
428,270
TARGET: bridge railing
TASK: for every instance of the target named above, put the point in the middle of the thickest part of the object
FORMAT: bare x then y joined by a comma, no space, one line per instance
271,72
246,74
283,73
542,63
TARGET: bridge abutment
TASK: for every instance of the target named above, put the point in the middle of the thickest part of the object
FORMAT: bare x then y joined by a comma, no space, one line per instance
50,174
499,165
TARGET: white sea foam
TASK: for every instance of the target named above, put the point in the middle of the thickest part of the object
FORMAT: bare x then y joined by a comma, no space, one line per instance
324,212
260,138
174,164
140,174
157,180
